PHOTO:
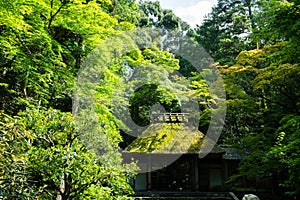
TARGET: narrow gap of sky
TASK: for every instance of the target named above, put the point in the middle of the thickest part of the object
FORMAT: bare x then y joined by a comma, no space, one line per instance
190,11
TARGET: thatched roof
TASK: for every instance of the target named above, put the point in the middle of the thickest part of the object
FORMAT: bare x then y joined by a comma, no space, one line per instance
175,138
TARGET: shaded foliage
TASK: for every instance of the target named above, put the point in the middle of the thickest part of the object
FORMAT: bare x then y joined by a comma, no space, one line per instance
42,156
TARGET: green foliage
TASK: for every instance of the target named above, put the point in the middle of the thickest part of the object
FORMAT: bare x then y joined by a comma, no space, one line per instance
281,85
126,11
42,45
200,91
285,153
14,144
42,156
273,27
155,16
275,157
224,33
155,68
263,106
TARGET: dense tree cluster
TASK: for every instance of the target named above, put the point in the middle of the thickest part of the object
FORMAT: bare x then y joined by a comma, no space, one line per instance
42,153
261,77
45,152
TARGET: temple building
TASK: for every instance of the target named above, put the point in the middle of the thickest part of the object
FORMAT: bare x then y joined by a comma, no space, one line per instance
173,156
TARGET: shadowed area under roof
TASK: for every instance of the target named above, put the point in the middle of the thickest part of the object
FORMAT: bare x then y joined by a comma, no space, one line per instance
174,138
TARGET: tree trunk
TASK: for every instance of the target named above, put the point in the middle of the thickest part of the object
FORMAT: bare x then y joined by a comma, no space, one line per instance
62,189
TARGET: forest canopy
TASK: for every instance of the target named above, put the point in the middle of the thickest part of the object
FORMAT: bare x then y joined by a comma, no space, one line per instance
46,154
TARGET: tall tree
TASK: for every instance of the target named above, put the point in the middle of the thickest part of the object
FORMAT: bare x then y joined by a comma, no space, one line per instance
272,27
155,16
224,32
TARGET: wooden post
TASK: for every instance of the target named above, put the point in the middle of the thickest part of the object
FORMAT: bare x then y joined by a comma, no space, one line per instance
149,165
196,173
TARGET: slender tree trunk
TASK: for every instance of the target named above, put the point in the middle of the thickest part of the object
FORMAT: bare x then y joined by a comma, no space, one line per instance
60,195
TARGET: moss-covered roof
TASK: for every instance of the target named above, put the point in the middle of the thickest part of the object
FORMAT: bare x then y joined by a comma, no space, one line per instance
172,138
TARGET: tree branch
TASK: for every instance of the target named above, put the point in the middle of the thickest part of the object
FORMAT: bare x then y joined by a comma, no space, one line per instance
52,16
